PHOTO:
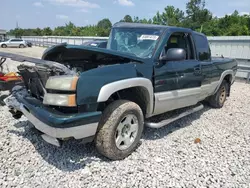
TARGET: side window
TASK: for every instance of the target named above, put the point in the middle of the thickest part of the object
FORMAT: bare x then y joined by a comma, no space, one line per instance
181,40
103,45
16,40
202,48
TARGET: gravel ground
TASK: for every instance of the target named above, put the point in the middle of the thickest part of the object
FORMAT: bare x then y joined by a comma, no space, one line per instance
207,149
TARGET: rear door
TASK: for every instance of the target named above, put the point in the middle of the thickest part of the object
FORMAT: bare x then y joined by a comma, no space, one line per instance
17,42
204,56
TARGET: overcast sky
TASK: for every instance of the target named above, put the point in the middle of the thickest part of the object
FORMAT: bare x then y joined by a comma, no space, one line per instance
52,13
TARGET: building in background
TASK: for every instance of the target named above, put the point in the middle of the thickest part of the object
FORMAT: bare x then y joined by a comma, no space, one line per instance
2,34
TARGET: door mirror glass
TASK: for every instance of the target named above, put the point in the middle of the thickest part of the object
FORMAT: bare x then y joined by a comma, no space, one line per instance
174,54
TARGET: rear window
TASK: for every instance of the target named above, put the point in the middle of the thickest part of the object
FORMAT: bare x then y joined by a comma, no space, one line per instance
202,48
16,40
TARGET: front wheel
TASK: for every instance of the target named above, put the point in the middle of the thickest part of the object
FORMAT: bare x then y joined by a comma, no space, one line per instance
120,129
4,46
21,46
219,98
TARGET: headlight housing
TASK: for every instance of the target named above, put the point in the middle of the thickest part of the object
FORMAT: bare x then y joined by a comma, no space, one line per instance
62,83
60,99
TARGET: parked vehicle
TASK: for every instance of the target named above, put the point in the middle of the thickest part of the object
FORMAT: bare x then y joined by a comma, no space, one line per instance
29,44
13,43
108,95
97,43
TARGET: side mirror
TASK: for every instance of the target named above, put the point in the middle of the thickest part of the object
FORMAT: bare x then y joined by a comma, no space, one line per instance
174,54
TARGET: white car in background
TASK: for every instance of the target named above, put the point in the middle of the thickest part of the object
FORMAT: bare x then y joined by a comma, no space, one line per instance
20,43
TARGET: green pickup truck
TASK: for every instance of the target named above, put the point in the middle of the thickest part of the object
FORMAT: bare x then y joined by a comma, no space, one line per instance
109,95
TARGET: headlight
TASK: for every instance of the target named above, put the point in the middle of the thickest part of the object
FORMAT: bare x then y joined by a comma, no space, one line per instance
63,83
59,99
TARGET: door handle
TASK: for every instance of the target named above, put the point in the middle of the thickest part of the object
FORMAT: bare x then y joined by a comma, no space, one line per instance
197,70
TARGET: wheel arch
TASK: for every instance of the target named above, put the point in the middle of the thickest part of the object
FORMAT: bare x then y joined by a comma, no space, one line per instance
228,76
141,88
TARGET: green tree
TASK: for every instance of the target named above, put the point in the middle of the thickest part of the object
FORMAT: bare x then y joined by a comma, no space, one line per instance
197,14
69,28
37,31
197,17
157,19
103,27
105,24
18,32
172,16
60,31
127,18
46,31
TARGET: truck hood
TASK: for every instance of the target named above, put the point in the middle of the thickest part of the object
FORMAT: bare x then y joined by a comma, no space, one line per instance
88,53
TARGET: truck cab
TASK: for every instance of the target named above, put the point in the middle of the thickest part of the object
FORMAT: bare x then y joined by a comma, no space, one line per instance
109,95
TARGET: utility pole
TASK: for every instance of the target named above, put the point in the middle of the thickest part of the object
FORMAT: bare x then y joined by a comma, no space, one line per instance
17,27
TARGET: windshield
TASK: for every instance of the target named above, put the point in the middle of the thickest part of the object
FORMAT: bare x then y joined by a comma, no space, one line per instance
140,42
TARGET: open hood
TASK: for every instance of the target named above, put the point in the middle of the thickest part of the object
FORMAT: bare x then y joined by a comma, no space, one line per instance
88,53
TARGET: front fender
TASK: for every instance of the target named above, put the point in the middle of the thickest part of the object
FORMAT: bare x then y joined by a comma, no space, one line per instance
97,85
91,82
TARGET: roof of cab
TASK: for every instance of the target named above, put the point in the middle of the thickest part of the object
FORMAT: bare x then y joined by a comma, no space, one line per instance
140,25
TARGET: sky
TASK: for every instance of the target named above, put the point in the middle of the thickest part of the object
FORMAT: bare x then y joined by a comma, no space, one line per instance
52,13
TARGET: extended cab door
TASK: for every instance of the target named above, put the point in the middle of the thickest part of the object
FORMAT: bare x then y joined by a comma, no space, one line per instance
177,83
203,53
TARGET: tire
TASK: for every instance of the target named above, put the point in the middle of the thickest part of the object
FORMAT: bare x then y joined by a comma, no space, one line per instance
115,139
21,46
4,46
219,98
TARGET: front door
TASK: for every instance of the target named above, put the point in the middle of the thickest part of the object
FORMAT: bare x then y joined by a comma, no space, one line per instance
177,83
11,43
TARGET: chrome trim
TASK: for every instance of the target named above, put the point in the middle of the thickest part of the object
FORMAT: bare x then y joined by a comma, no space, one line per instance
108,89
77,132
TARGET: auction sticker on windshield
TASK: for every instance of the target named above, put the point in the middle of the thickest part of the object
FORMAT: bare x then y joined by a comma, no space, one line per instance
149,37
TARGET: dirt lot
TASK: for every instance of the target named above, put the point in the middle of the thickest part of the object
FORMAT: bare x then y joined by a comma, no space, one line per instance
167,157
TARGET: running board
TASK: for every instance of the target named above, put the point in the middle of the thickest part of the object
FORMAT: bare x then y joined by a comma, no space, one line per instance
170,120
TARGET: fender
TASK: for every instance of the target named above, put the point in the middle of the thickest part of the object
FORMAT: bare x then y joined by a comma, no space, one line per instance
223,75
91,82
108,89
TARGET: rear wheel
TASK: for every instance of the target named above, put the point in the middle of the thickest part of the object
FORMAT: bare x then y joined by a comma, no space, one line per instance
219,98
21,46
120,129
4,46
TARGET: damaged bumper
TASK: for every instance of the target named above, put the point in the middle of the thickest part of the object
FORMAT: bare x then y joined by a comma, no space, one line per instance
53,123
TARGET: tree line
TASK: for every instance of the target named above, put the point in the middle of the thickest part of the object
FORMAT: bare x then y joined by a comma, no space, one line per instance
196,17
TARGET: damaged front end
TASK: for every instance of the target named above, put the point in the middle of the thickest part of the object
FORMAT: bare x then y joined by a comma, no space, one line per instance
56,97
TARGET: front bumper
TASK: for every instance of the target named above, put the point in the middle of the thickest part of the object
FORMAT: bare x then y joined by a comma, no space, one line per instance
54,123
